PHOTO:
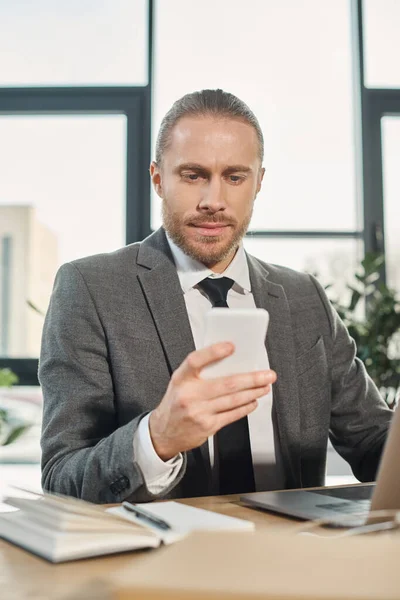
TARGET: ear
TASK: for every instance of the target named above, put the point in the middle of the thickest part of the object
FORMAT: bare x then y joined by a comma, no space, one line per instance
155,174
260,179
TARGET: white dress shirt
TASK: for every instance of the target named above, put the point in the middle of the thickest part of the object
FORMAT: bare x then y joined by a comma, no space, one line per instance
158,474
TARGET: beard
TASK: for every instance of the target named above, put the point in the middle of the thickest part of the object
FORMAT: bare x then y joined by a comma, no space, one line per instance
209,250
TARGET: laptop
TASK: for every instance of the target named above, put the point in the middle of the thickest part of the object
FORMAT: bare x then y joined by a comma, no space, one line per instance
347,505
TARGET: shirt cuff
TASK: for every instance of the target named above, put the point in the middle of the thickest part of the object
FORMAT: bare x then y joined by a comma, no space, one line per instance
157,474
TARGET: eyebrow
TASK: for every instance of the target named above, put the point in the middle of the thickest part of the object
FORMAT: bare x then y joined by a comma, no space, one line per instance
200,169
236,168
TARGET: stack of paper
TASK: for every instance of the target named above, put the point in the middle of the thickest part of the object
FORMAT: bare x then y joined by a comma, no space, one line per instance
59,528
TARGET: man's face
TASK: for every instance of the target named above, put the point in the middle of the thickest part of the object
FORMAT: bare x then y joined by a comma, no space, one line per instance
208,180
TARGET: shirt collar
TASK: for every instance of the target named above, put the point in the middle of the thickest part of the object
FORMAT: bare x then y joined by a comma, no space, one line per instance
191,271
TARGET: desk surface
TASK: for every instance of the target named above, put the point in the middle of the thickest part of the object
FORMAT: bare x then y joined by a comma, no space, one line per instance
359,569
27,577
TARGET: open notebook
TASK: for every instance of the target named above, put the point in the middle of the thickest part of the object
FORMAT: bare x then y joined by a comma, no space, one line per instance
60,528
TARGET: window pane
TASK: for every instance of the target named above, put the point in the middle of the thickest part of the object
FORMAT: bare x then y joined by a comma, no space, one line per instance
333,261
381,43
290,61
391,181
73,43
62,196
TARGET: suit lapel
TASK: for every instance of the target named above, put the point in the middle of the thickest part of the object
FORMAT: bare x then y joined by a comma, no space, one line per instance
165,299
281,354
162,290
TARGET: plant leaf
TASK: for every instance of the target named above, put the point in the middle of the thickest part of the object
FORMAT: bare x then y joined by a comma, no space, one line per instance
15,433
354,300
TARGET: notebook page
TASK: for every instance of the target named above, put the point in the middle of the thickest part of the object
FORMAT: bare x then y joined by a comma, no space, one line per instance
184,519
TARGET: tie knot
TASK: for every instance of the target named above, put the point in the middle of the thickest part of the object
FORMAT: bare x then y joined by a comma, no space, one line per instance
217,290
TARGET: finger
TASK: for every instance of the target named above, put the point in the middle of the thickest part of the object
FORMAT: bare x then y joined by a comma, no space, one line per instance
197,360
233,401
231,416
222,386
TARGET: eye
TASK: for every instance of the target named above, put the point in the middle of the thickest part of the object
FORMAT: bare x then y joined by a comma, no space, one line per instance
191,176
235,178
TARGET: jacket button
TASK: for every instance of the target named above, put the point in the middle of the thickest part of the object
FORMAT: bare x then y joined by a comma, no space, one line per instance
119,485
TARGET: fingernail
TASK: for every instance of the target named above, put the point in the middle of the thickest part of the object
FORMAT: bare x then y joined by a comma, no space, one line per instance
226,346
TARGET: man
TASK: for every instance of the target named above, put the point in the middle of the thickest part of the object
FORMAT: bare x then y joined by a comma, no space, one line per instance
126,412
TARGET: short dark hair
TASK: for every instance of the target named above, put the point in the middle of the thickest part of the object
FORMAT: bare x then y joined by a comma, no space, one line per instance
203,103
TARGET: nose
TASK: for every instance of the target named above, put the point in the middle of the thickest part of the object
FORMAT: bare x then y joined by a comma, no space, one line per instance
213,196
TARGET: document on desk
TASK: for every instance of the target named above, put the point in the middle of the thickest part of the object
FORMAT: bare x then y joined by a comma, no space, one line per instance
184,519
60,528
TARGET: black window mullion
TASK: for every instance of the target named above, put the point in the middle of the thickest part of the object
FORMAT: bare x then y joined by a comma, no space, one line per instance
373,179
276,233
375,103
71,100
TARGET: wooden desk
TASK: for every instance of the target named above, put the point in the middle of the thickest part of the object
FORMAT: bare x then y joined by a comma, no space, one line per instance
127,576
27,577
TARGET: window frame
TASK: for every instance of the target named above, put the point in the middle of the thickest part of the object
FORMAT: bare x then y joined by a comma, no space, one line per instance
132,101
375,103
370,105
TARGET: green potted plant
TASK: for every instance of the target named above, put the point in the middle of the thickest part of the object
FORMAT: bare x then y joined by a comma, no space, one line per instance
372,316
10,427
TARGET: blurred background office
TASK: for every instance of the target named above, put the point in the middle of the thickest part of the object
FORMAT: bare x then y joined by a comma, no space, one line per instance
83,88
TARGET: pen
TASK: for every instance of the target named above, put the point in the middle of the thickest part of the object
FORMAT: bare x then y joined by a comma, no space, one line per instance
140,513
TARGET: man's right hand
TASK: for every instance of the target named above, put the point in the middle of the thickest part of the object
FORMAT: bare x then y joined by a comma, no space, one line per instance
193,409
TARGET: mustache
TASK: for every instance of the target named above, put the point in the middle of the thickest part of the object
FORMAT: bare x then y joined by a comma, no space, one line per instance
198,220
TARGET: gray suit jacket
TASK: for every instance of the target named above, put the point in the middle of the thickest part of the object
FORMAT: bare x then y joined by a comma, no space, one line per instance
116,329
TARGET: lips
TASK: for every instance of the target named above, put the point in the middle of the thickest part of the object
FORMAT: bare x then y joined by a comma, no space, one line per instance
211,225
210,229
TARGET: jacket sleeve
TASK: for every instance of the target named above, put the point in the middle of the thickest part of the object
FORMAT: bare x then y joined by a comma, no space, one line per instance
360,418
84,452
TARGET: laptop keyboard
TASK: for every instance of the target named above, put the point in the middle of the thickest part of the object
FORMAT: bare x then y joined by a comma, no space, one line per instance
359,507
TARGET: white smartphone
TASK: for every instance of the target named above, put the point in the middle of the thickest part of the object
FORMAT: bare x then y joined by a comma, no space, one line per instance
246,328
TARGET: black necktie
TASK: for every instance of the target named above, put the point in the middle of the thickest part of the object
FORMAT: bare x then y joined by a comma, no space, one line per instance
233,441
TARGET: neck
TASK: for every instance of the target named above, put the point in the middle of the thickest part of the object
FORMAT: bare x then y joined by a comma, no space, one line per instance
221,266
